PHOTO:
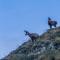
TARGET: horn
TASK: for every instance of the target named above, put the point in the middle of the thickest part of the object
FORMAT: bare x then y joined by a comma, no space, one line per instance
49,18
25,31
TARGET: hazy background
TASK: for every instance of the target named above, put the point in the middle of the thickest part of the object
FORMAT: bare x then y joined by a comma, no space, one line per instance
19,15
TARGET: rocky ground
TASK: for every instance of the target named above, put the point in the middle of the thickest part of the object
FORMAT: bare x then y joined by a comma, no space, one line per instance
46,47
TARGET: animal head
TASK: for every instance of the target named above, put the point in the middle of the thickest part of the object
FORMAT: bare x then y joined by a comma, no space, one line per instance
26,32
49,18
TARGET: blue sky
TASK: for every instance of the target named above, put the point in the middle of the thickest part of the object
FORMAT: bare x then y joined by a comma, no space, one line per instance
19,15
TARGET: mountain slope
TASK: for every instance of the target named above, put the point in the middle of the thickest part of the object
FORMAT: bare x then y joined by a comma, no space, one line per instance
46,47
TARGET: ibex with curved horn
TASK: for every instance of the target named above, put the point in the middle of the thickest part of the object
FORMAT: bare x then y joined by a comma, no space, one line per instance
33,36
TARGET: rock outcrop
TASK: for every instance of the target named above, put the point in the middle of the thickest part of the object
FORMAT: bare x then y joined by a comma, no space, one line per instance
46,47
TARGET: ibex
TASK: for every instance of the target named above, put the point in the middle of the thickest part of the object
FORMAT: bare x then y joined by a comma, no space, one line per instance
33,36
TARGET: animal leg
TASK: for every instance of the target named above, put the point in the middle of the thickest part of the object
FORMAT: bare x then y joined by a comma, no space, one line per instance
50,26
55,25
32,40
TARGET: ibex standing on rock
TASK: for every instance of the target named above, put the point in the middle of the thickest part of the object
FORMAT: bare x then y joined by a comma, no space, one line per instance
51,23
33,36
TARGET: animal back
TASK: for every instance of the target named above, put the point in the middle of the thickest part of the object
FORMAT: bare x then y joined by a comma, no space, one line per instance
35,35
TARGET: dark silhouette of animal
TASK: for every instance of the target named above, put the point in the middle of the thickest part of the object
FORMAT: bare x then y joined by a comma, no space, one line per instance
51,23
33,36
